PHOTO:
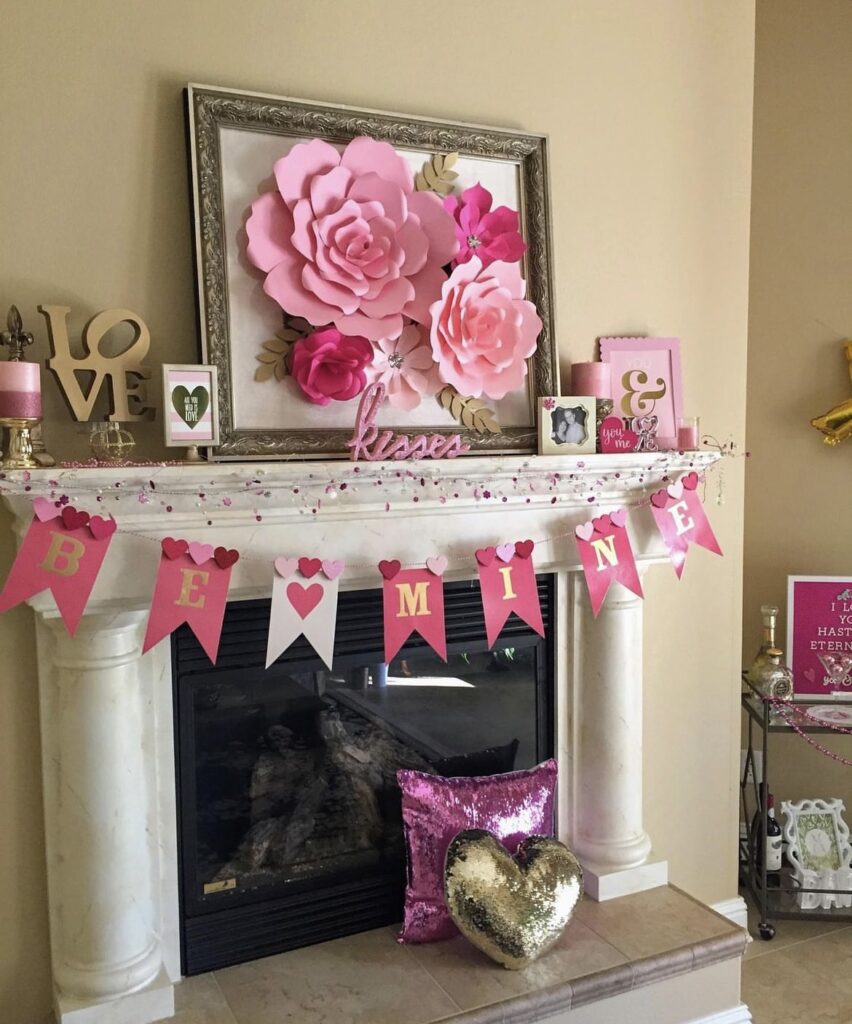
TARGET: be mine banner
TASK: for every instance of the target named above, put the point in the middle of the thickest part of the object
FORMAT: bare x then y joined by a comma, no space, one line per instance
64,549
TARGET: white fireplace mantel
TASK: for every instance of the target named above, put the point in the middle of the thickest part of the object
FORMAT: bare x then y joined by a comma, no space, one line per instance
106,711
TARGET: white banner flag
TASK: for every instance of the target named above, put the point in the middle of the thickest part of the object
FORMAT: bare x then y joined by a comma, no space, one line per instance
303,602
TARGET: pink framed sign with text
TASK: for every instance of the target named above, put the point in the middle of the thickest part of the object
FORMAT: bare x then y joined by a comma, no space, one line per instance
646,382
819,635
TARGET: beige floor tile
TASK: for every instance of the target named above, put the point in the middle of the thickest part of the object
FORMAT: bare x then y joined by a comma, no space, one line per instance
473,980
199,1000
808,983
361,979
651,922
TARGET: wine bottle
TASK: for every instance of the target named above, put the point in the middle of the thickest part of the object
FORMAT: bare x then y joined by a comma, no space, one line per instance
770,850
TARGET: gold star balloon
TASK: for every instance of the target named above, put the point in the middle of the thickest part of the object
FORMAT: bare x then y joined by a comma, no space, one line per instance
836,424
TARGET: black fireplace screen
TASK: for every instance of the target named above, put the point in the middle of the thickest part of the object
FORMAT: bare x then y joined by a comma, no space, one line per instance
290,822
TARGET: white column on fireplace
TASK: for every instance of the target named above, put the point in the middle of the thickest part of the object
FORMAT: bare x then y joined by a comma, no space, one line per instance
109,774
608,830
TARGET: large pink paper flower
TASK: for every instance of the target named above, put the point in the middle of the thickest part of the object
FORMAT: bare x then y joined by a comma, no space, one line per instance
406,368
483,330
328,365
489,234
345,239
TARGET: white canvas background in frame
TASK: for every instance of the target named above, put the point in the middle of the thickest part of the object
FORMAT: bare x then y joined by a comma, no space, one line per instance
235,140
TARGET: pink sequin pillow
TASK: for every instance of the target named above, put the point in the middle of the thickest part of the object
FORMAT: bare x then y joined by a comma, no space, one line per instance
435,810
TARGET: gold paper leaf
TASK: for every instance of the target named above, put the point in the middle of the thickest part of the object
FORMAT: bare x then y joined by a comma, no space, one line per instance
264,372
436,174
472,413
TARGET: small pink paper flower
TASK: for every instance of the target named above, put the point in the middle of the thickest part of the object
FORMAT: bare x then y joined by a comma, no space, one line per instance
483,329
406,368
345,239
489,234
329,365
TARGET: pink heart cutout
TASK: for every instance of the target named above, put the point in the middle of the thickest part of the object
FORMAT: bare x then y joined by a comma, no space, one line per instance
675,490
602,523
437,564
285,566
485,556
309,566
659,499
619,517
200,553
389,567
101,528
304,599
615,437
333,568
505,552
690,481
45,510
524,548
584,531
810,675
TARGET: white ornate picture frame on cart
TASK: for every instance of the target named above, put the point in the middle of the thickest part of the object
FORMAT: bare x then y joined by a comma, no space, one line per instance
818,848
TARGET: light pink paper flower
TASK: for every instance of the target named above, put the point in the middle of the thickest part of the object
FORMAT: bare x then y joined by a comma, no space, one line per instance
329,365
489,234
483,330
345,239
406,368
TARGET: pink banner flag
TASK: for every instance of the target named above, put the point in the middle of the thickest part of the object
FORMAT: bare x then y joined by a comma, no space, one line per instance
304,607
507,582
192,587
681,520
413,603
607,556
62,552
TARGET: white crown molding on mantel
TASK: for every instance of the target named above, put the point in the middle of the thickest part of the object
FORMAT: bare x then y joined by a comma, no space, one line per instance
106,710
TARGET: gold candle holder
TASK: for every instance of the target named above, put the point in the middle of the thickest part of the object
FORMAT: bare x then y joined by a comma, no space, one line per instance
18,453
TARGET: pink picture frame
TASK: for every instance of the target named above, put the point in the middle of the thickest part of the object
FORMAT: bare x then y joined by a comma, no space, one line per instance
819,636
646,381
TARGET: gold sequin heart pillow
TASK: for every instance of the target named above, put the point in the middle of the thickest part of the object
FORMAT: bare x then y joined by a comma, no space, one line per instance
512,908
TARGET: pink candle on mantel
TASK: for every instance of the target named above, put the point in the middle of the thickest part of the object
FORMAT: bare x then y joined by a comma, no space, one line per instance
591,379
20,390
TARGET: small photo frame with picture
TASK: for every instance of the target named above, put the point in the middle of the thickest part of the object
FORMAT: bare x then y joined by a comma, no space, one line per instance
190,409
567,425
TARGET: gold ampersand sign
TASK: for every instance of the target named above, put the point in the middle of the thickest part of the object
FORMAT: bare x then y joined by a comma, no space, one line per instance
124,373
836,424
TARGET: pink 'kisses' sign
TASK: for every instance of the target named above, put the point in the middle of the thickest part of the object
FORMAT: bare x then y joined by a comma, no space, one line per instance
819,634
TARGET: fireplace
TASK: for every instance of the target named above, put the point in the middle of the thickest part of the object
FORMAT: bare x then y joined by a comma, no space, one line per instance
289,812
115,844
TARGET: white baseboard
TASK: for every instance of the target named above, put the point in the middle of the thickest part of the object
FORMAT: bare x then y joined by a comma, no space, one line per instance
739,1015
734,909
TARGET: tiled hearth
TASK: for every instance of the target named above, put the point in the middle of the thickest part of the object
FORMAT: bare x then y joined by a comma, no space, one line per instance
666,954
108,744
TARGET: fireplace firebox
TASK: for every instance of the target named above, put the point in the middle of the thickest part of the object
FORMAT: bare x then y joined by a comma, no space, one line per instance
289,813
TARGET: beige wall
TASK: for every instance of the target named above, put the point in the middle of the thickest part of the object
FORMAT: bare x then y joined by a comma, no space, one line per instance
798,490
649,109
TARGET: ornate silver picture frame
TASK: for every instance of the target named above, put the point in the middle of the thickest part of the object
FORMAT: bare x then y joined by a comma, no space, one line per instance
234,140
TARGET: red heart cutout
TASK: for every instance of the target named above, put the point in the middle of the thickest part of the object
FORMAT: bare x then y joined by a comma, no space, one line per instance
309,566
690,481
102,528
225,558
602,523
485,556
659,499
524,548
304,599
173,549
72,519
389,569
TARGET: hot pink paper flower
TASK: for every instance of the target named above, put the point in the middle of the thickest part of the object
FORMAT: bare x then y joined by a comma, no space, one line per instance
329,365
489,234
345,239
483,330
406,368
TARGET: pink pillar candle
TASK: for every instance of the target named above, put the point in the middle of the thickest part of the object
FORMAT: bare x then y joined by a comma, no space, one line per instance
591,379
20,390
